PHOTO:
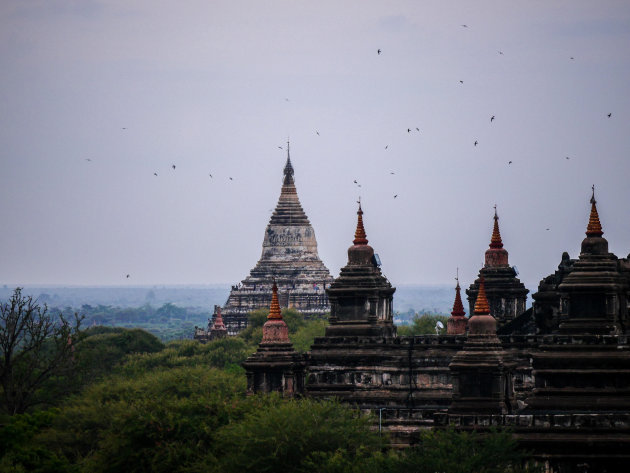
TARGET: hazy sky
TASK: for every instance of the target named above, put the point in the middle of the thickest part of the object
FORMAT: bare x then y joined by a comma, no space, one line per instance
97,96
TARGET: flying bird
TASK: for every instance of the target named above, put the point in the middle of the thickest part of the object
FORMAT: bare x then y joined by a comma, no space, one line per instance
491,118
567,157
417,129
461,81
155,173
395,195
609,115
465,26
317,132
231,179
173,166
391,172
210,175
571,57
280,147
124,128
547,229
476,142
127,276
408,130
88,159
501,52
509,162
386,146
355,181
378,51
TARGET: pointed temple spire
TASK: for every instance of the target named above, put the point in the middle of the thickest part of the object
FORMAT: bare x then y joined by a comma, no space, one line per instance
458,307
481,304
495,241
456,323
482,322
594,228
288,168
496,255
218,322
360,238
274,309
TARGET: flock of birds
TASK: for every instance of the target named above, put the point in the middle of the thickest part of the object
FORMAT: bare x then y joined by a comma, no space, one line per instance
409,130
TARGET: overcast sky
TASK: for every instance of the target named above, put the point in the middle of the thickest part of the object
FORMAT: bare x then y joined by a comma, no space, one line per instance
97,96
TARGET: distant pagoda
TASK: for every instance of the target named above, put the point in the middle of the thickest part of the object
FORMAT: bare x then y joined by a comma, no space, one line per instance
289,256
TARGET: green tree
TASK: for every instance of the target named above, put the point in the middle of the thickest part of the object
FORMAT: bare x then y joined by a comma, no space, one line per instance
294,435
35,348
424,324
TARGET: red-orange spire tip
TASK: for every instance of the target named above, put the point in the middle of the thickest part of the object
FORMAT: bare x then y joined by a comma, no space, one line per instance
458,307
495,241
360,238
481,304
274,309
594,227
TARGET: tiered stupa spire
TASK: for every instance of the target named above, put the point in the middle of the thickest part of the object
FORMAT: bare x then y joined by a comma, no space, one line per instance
496,255
456,323
360,238
275,329
594,227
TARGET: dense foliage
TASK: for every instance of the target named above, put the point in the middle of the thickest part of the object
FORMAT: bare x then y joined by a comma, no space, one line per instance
133,404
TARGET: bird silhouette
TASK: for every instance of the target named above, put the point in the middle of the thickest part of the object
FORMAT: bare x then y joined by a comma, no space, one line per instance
500,52
491,118
571,57
155,173
609,115
509,162
355,181
461,81
280,147
124,128
231,179
465,26
567,157
127,276
317,133
88,159
476,142
547,229
173,166
392,172
378,51
408,130
396,195
209,174
417,129
386,146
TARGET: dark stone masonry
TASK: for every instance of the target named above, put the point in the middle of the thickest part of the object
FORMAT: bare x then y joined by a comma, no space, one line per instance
557,375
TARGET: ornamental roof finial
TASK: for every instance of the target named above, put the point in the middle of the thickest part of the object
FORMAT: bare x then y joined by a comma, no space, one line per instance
360,238
594,227
495,241
274,309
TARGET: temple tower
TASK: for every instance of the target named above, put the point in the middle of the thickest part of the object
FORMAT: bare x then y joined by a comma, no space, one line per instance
482,371
361,297
289,257
275,366
218,329
593,295
506,294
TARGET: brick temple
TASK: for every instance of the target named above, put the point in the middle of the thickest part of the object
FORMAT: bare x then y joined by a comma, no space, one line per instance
557,375
289,259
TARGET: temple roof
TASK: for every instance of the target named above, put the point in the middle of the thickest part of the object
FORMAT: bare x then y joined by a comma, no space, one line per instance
594,227
289,210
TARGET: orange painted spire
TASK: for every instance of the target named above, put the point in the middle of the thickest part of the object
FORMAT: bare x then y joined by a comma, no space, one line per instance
218,321
458,307
495,241
360,238
274,309
594,228
481,304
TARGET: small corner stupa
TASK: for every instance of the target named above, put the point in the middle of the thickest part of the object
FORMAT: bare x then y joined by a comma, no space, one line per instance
456,323
275,366
289,257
